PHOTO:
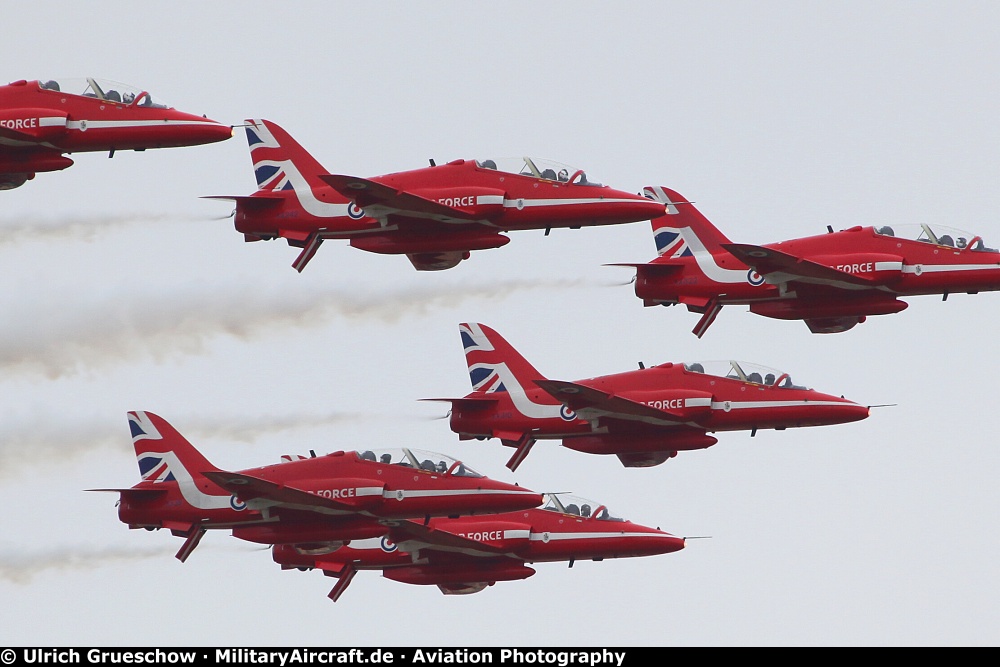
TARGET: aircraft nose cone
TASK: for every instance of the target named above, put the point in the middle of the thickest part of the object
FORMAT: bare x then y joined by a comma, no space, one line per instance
848,411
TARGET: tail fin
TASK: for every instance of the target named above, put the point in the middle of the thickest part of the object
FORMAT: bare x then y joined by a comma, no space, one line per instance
280,162
683,231
163,454
493,364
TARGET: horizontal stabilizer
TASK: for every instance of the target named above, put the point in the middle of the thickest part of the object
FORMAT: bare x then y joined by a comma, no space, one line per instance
472,403
149,493
251,202
580,398
654,269
366,193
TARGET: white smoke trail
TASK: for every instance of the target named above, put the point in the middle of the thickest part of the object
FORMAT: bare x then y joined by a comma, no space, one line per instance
44,440
81,228
57,341
22,567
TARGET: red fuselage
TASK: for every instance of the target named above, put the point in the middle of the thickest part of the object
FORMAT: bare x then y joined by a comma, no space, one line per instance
510,541
497,201
362,492
696,403
896,267
38,125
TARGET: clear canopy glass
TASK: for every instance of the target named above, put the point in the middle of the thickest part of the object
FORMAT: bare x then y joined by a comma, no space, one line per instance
936,234
745,372
539,168
416,458
103,89
566,503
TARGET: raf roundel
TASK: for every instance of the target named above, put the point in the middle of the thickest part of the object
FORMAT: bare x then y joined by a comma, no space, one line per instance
355,212
236,503
755,278
387,545
567,414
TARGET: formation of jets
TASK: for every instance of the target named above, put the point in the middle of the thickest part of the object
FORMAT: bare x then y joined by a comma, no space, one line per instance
425,518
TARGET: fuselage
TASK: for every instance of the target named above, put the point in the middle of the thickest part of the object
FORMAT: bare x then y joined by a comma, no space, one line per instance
361,492
529,536
690,401
39,122
893,265
497,201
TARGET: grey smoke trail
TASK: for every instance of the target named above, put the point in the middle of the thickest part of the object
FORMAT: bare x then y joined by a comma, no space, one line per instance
80,228
45,440
20,568
56,341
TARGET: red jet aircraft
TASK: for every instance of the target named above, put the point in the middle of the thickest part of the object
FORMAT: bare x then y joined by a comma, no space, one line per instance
435,215
465,555
831,281
313,502
39,121
643,416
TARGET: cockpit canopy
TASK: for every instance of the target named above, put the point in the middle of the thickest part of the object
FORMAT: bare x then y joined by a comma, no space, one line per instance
539,168
938,235
566,503
416,458
103,89
745,372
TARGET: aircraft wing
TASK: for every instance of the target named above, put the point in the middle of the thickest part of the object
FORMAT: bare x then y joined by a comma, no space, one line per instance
417,536
778,267
380,200
12,137
248,487
582,399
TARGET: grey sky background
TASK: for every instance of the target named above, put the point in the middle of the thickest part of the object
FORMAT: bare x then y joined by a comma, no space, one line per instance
121,289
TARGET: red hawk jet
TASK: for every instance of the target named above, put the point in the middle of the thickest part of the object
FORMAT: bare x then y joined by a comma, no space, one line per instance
42,120
643,416
313,502
435,216
832,281
465,555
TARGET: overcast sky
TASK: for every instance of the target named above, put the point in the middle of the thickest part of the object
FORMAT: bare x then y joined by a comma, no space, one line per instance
121,289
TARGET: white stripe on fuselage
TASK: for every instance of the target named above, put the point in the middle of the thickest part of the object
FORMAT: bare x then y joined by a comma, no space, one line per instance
303,191
185,482
108,124
558,536
400,494
942,268
525,202
706,261
518,396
